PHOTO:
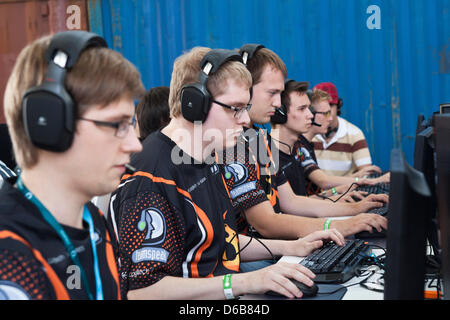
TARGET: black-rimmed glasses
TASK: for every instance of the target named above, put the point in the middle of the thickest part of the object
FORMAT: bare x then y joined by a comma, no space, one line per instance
326,114
121,127
237,111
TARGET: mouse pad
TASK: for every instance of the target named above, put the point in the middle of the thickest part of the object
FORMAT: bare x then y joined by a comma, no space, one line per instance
329,292
326,292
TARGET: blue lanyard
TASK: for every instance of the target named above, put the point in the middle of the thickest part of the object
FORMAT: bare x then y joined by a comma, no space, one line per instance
66,240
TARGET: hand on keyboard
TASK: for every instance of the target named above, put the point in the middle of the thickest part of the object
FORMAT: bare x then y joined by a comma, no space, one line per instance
360,222
304,246
371,201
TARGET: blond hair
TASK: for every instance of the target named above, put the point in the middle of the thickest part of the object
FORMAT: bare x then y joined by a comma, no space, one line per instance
319,95
100,76
186,69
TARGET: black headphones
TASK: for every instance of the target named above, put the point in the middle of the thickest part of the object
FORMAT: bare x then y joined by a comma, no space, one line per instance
48,110
339,104
280,116
195,97
247,51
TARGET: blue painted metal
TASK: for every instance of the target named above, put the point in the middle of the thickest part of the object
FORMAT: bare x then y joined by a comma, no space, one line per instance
385,76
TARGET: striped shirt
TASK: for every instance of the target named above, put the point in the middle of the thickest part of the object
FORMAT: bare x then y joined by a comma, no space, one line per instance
5,172
345,152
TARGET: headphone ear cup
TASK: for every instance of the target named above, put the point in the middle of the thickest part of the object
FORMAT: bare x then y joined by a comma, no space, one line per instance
48,113
195,102
280,116
48,110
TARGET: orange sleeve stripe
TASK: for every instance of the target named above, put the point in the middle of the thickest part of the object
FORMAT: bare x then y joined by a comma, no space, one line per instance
61,292
159,179
209,238
112,263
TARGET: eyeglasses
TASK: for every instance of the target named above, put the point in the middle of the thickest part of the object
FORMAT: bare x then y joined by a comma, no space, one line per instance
120,126
237,111
326,114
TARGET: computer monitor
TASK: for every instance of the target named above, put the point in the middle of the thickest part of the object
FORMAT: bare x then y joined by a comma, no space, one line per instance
444,108
442,135
409,200
420,123
425,162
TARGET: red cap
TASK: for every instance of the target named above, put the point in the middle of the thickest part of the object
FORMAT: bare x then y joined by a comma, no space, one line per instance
330,89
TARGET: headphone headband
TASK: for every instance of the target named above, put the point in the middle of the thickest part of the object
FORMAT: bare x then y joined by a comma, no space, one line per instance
248,50
73,43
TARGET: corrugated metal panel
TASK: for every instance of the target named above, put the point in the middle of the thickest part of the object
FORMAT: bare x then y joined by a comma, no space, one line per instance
386,76
24,21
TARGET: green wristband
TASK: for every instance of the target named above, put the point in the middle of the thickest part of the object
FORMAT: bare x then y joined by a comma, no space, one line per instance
334,191
227,286
326,224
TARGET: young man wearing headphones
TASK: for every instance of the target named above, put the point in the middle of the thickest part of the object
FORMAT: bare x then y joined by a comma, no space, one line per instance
305,214
342,150
69,115
173,216
308,114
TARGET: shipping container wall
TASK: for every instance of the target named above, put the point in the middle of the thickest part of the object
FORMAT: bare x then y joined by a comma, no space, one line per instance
22,21
390,59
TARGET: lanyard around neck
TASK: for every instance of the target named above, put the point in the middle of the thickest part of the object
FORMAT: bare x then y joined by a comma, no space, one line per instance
70,248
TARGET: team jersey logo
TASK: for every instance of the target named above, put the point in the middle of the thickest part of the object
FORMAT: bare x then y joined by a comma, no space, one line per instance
239,174
237,171
153,223
12,291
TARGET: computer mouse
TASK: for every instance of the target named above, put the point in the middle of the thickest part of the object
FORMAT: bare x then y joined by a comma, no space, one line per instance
307,291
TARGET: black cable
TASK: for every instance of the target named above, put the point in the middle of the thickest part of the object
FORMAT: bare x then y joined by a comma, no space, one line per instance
270,252
290,149
349,188
348,286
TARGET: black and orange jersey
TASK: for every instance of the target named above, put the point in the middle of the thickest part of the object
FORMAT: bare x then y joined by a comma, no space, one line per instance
293,171
303,151
173,217
252,175
34,263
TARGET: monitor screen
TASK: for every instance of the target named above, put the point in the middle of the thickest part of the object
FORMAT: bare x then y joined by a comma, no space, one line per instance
409,200
442,143
444,108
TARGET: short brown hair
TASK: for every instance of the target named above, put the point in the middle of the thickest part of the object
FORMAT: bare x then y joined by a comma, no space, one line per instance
319,95
100,76
260,60
186,69
292,86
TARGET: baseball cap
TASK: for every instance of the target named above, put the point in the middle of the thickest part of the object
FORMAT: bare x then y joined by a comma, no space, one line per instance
330,89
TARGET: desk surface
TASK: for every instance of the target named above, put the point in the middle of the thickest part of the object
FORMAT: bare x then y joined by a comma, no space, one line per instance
354,290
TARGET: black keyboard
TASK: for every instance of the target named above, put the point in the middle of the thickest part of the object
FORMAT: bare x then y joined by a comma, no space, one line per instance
335,264
376,188
382,211
376,174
